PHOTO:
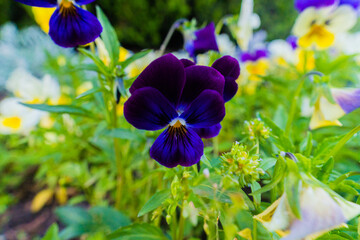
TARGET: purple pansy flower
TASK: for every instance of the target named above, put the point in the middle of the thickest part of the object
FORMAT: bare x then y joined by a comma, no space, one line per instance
348,99
70,25
182,100
201,41
253,56
229,67
303,4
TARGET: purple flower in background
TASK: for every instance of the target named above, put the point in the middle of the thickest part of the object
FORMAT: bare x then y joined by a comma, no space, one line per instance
354,3
70,25
303,4
229,67
292,40
182,100
201,41
253,56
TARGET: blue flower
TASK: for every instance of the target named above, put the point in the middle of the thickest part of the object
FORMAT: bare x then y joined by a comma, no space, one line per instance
70,25
181,99
201,41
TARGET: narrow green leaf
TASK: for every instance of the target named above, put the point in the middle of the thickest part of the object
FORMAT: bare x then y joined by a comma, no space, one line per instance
102,68
257,197
326,170
89,93
279,171
138,231
155,201
109,37
206,161
292,188
70,109
135,57
52,233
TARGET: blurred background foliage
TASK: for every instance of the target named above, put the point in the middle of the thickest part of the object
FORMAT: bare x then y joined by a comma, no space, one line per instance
144,23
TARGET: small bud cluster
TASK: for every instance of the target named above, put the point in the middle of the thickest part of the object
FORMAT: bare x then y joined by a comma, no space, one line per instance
240,163
256,129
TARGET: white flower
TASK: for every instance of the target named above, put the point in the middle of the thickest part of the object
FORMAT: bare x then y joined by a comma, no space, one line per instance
321,211
226,46
319,26
281,51
16,118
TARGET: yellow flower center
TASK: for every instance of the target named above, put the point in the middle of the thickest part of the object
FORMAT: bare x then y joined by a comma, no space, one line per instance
177,124
319,36
12,122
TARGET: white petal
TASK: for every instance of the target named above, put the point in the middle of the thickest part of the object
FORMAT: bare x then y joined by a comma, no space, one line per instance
330,111
342,19
281,48
304,21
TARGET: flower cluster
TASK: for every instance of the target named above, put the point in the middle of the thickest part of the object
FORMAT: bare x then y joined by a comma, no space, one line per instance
256,129
242,164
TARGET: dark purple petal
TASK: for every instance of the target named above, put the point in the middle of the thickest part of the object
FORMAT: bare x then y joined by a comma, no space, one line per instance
187,62
39,3
302,4
73,26
292,40
229,67
174,147
84,2
349,100
205,111
148,109
354,3
208,132
165,74
204,41
198,79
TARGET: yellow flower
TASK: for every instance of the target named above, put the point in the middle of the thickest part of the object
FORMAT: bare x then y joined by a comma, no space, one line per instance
42,17
305,60
319,26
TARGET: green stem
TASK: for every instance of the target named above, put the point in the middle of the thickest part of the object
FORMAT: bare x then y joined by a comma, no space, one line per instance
295,99
175,25
181,222
254,229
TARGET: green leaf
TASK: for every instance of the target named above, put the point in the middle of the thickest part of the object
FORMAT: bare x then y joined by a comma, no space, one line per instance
306,147
110,217
109,37
155,201
279,171
77,230
135,57
86,67
122,133
326,170
52,233
267,163
280,139
206,161
102,68
89,93
70,109
257,197
292,188
212,193
138,231
70,215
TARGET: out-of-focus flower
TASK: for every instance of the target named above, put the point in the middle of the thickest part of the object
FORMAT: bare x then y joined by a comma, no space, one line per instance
69,25
304,4
319,27
191,212
226,46
104,55
200,41
42,17
348,43
354,3
321,211
84,87
16,118
327,113
247,22
181,99
32,90
282,52
240,163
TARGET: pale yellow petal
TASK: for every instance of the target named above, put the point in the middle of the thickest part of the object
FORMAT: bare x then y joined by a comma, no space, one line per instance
41,199
342,19
304,21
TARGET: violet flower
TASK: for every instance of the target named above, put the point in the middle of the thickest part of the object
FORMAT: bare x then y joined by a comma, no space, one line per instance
70,25
181,99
